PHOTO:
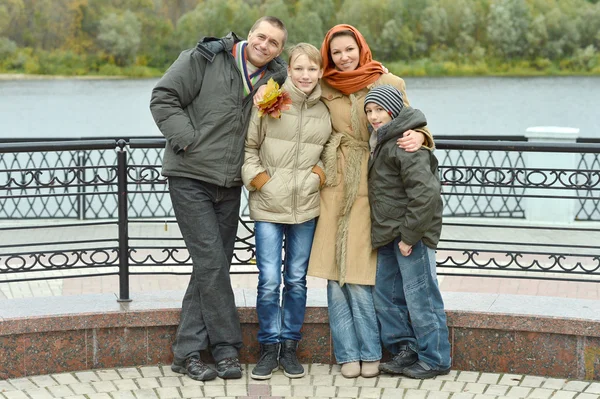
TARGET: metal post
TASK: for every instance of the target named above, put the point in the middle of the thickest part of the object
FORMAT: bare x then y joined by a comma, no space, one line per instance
81,186
123,222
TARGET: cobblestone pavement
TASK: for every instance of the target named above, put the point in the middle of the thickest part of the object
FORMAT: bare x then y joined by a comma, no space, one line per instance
322,381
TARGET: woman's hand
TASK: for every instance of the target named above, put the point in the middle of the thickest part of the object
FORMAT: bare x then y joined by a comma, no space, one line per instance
411,141
405,249
259,94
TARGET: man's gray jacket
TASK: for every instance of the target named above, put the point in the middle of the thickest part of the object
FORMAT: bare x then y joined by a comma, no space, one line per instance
199,104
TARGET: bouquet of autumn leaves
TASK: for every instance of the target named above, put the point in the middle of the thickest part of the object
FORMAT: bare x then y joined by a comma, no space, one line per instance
274,101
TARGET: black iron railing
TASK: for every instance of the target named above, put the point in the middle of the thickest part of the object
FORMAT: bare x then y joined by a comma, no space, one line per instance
115,190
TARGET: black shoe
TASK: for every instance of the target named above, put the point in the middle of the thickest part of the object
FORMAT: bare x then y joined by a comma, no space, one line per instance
288,360
406,357
229,368
420,370
268,362
195,368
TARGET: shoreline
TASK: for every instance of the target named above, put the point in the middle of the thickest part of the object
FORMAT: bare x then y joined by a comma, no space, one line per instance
25,76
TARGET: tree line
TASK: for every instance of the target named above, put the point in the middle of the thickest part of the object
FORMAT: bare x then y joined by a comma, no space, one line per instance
425,37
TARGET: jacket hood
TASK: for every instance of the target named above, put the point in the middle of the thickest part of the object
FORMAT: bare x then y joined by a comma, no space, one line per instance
298,96
409,118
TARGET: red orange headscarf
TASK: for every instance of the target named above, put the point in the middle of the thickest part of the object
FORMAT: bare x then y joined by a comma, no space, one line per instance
349,82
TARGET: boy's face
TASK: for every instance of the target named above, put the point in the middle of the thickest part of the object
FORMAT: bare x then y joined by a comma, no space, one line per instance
304,73
376,115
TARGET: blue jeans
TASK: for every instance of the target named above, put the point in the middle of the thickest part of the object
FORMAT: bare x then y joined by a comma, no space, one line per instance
409,304
278,322
353,322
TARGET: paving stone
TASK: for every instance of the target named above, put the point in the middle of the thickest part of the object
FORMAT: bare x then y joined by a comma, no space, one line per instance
348,392
365,382
169,381
306,380
431,385
409,383
554,383
463,395
489,378
367,392
147,383
467,376
564,395
39,393
577,386
214,390
475,387
319,369
341,381
281,390
108,375
451,376
438,395
102,395
104,386
43,381
541,393
587,396
87,376
6,386
122,395
486,397
303,390
60,391
151,371
518,392
239,390
322,380
130,372
510,379
258,389
144,394
168,393
237,381
496,390
327,392
82,388
191,391
532,381
453,386
387,382
65,378
125,385
336,369
167,372
217,381
79,397
415,394
593,388
392,393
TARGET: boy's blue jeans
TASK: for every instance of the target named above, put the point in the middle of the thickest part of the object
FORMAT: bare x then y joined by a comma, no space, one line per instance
280,320
409,304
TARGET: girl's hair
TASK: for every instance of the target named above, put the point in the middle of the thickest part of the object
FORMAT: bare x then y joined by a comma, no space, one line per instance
348,33
306,49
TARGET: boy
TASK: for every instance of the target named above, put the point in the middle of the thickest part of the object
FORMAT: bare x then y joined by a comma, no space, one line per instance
406,222
283,172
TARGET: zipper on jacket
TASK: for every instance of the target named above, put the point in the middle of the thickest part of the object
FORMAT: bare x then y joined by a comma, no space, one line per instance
298,141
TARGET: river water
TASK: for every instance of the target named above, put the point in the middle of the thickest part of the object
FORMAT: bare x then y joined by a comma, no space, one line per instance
454,106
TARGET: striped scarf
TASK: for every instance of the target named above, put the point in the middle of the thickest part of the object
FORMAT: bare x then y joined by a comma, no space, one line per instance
239,53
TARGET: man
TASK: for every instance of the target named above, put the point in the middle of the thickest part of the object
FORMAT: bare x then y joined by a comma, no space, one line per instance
202,106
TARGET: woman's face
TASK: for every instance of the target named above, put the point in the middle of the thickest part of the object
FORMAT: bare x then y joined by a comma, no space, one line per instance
344,53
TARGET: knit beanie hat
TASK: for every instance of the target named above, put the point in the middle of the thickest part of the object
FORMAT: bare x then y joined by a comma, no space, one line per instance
387,97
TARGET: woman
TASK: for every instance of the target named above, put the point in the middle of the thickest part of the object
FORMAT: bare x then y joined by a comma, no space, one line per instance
341,251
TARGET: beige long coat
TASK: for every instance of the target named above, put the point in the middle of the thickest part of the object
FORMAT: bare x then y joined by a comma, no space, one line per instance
341,248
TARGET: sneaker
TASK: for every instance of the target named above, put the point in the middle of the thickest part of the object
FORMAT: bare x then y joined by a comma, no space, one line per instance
268,362
229,368
288,360
351,369
195,368
369,369
403,359
421,370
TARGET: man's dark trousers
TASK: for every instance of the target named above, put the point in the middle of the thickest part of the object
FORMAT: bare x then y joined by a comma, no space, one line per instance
207,216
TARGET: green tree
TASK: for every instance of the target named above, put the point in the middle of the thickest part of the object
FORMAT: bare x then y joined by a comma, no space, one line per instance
120,36
508,24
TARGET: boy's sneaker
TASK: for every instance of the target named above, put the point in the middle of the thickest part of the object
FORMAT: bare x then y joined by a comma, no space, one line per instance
288,360
268,362
403,359
229,368
195,368
421,370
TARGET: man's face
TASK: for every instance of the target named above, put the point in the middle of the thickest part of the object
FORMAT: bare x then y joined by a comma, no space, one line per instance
264,43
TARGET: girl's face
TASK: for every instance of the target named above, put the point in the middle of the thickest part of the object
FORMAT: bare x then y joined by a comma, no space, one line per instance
304,73
344,53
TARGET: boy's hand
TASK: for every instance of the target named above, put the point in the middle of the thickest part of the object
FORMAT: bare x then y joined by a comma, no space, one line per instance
259,94
411,141
405,249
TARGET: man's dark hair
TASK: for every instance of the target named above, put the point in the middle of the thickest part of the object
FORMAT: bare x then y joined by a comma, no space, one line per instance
273,21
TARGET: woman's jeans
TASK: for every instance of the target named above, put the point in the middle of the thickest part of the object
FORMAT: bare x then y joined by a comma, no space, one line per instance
353,322
409,303
278,322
